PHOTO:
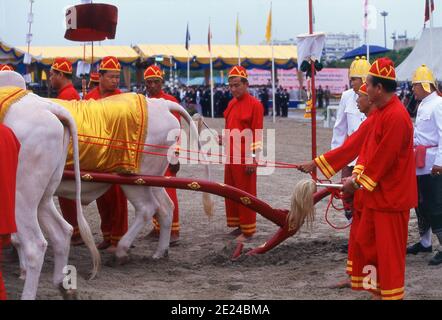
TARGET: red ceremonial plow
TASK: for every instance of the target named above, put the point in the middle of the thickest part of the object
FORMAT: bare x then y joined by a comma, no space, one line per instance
277,216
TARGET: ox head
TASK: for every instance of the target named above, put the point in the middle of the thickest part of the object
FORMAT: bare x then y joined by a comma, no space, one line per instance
12,78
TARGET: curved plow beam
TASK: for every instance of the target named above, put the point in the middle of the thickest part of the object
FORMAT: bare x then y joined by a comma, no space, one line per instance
277,216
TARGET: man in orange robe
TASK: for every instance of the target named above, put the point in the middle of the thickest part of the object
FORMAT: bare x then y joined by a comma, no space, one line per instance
333,161
388,182
244,118
112,206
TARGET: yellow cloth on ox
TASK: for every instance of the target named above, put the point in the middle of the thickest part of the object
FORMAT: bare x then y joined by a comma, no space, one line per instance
8,96
121,118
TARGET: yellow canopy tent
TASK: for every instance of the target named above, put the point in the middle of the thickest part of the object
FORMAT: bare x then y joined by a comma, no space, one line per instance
258,56
125,54
13,55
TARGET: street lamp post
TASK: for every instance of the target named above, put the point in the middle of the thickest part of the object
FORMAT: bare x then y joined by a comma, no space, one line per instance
385,14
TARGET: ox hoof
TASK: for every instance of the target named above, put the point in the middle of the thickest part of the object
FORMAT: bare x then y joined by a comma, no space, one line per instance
22,275
159,255
68,294
118,261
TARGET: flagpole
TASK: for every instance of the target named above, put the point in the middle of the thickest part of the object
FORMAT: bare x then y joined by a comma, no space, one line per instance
273,66
237,38
366,30
239,54
188,67
273,83
211,86
211,73
313,111
368,48
431,32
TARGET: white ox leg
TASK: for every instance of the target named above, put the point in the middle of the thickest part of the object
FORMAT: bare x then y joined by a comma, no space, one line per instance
59,233
145,205
33,246
16,243
53,223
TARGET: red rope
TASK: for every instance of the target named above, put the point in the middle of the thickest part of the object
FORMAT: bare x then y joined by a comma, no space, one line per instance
335,194
275,164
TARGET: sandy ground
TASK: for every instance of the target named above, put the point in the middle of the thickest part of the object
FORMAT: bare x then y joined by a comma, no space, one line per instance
199,268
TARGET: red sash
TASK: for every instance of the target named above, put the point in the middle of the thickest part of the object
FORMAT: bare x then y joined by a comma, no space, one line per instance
420,153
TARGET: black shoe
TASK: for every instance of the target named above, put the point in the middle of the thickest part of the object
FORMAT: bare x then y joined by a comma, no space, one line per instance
437,259
418,247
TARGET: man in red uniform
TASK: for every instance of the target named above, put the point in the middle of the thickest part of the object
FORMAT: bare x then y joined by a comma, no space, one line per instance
60,77
333,161
388,182
9,149
112,206
109,79
153,77
244,118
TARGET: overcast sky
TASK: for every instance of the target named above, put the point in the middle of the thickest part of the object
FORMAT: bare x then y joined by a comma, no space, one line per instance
164,21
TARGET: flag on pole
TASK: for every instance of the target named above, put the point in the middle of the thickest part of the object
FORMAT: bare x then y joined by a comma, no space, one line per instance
269,27
365,22
429,5
187,37
238,31
209,39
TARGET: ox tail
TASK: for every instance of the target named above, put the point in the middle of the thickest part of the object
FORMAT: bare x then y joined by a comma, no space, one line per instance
65,117
207,200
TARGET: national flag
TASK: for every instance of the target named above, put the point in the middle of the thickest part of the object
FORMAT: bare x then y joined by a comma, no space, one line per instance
209,39
187,37
429,5
238,31
365,23
269,27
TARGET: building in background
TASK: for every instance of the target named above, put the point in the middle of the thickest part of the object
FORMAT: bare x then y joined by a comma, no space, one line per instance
337,44
401,41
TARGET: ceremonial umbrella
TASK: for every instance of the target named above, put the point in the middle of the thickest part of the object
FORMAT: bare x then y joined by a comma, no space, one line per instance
91,22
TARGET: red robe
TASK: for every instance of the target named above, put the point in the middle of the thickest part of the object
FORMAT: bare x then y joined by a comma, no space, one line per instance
9,149
68,92
389,192
242,114
170,191
112,206
332,162
96,94
67,206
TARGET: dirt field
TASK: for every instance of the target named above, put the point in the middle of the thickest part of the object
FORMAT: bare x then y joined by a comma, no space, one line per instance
199,267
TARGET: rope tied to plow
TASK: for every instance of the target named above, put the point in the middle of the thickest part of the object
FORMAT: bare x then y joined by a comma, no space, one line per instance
302,206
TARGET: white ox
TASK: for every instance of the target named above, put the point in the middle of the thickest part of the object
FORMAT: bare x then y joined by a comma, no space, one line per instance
44,130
